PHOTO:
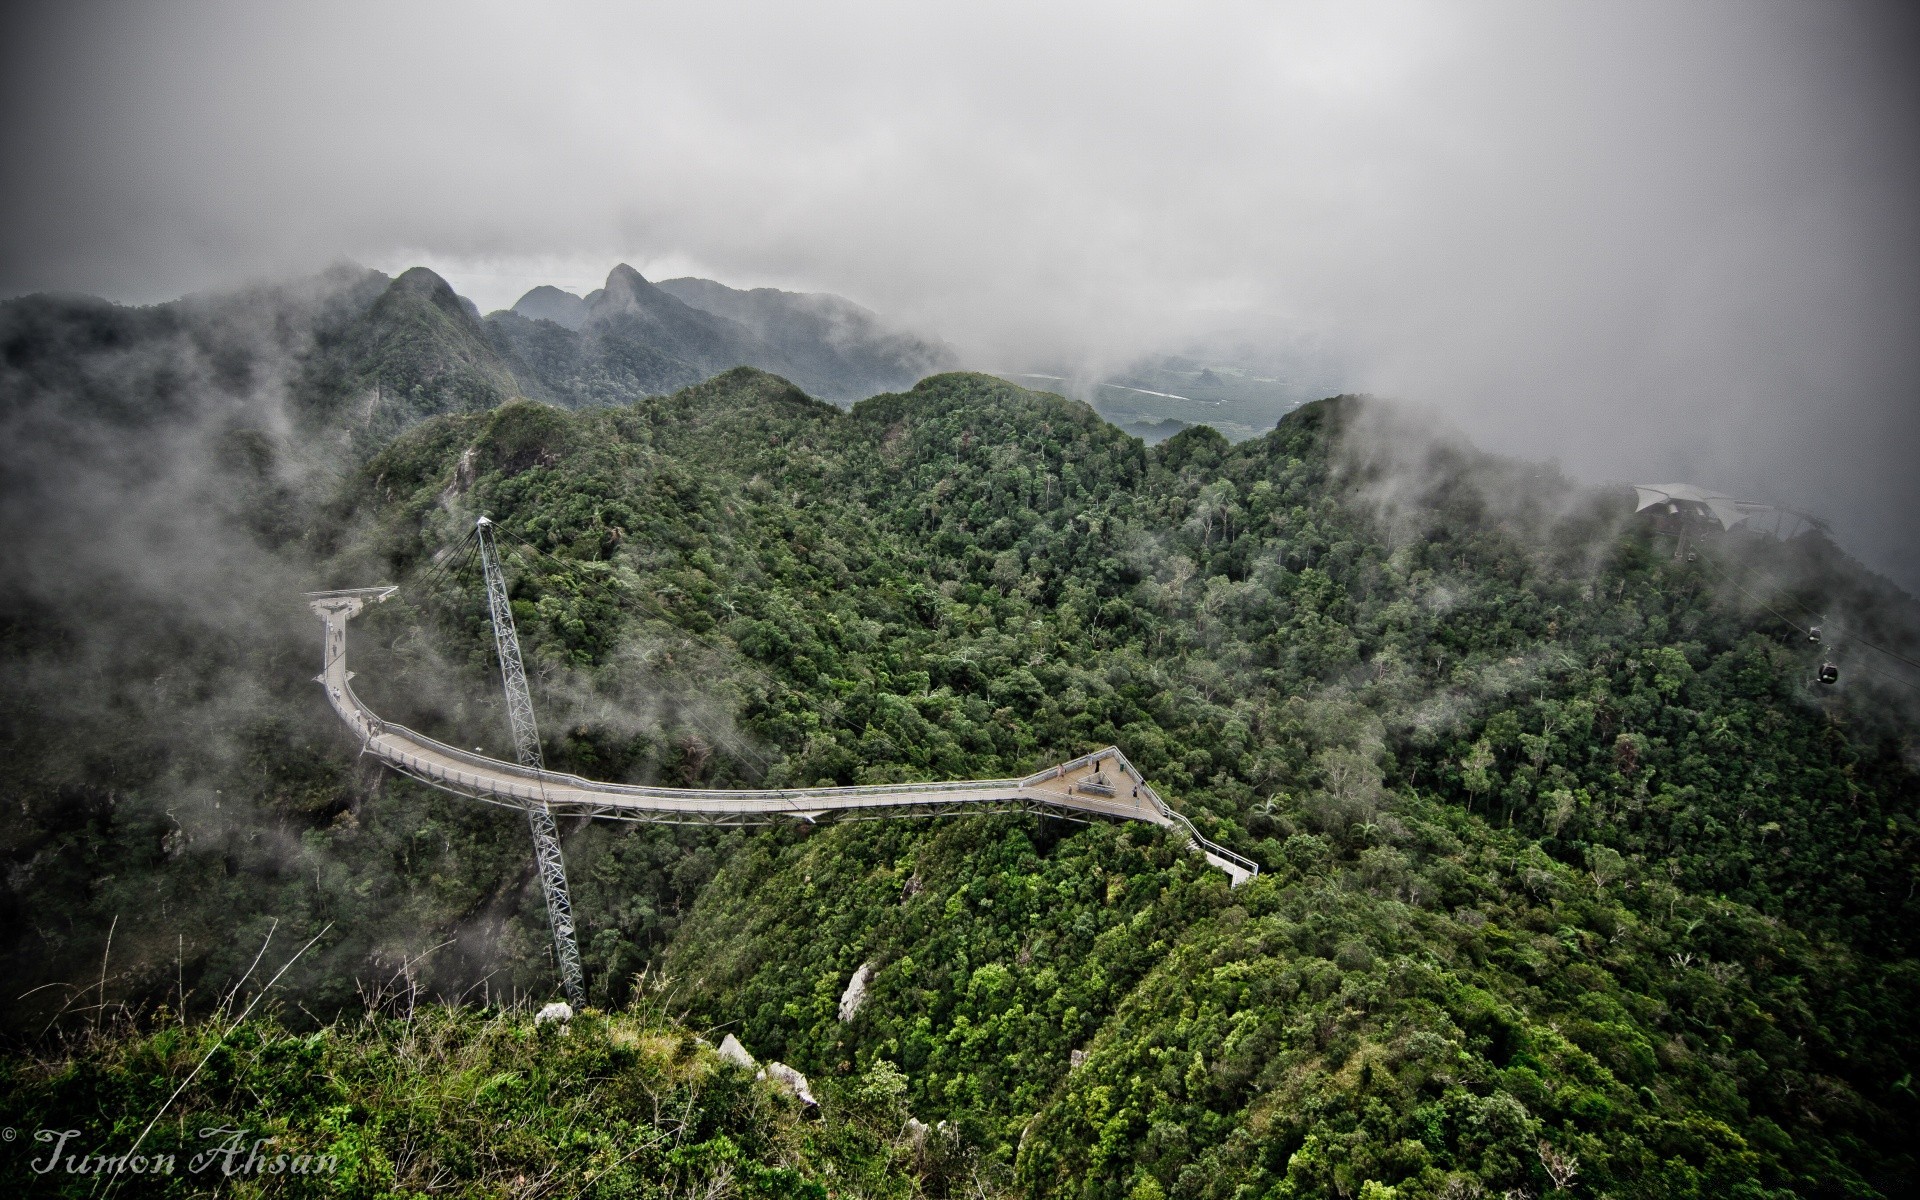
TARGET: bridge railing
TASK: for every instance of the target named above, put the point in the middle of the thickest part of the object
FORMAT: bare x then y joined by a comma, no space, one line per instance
380,727
1214,848
1171,816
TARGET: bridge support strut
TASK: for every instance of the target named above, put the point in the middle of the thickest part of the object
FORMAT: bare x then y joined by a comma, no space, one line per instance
526,748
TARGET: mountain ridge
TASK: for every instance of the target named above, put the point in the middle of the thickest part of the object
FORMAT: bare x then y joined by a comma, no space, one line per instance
829,346
1569,859
366,356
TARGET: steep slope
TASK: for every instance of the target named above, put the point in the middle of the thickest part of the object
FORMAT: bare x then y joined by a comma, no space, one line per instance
1494,983
377,1104
418,351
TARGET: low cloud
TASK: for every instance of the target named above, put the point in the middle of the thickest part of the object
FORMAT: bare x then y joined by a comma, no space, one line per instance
1651,241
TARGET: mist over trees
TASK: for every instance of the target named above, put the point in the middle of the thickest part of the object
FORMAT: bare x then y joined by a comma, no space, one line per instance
1574,878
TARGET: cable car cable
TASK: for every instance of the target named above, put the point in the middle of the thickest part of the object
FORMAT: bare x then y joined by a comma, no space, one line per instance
1822,618
1726,575
1813,630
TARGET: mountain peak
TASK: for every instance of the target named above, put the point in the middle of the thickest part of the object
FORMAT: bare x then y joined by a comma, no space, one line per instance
426,284
626,275
549,303
421,279
624,285
627,291
421,283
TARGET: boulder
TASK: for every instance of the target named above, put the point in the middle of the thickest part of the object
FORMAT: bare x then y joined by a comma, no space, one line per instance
790,1079
734,1052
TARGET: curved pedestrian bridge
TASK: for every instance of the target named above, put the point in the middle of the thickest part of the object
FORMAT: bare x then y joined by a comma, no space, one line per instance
1101,784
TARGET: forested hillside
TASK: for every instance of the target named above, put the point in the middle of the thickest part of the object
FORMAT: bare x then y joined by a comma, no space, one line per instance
1573,878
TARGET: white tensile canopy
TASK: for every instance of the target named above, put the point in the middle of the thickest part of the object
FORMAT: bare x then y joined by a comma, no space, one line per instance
1725,509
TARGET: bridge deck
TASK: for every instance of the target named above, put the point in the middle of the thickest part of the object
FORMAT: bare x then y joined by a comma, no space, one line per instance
1100,784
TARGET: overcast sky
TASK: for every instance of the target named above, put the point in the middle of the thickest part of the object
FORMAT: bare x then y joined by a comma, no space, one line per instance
1654,241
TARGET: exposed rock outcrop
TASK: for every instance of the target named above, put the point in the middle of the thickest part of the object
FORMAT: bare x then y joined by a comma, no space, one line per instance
856,993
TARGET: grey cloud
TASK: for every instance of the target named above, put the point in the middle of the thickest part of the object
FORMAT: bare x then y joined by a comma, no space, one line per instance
1649,240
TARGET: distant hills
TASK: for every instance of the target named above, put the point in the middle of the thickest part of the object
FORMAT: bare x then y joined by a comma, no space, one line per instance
1237,389
549,303
369,355
360,356
825,342
633,337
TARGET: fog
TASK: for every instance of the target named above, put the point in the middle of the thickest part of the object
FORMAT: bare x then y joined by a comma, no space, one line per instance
1650,241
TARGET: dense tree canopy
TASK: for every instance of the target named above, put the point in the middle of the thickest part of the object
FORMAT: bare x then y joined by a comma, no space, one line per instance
1573,878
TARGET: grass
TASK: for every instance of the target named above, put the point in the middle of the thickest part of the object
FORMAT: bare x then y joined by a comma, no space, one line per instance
447,1101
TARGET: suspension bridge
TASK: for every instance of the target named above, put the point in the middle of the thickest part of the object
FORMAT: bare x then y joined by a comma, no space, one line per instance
1100,784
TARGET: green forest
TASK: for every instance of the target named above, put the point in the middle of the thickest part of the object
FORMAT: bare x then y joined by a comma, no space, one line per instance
1574,881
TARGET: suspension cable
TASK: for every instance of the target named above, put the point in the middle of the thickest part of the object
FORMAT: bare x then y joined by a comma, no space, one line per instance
1725,573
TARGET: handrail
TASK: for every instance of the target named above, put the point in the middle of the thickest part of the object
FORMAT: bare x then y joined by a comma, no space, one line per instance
1180,819
379,727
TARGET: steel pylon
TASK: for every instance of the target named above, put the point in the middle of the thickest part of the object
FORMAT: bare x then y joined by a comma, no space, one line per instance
526,748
